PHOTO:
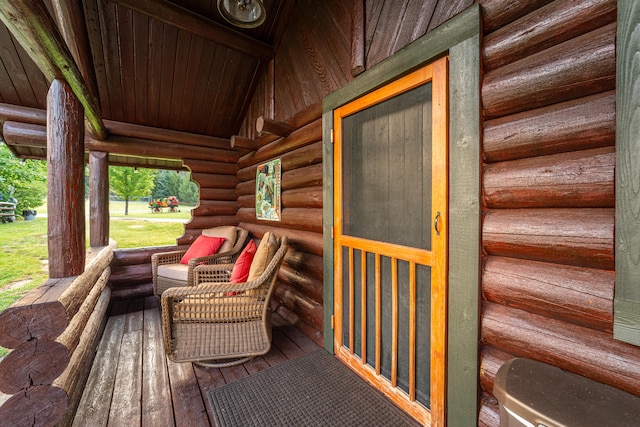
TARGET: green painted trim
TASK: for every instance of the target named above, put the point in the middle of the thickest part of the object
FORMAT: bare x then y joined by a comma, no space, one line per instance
460,37
327,223
418,53
464,232
626,313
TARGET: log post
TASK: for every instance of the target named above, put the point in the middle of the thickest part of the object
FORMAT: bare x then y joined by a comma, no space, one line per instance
98,198
65,198
264,125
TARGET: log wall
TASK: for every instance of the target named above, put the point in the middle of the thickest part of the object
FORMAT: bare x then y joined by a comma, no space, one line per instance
548,96
311,62
54,331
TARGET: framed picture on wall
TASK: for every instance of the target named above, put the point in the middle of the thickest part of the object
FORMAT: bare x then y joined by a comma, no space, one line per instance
268,191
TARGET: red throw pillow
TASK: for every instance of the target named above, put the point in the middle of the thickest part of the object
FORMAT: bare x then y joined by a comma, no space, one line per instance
243,264
203,246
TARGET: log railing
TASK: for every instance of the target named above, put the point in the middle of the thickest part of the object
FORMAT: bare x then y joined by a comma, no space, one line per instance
53,331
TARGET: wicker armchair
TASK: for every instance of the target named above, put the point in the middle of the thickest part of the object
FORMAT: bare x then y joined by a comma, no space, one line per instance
173,274
217,323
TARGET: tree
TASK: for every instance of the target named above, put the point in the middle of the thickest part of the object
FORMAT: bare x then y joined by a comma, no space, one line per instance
130,183
25,180
168,183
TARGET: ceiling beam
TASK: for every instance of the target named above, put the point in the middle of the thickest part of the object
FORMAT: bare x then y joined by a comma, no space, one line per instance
69,16
193,23
30,23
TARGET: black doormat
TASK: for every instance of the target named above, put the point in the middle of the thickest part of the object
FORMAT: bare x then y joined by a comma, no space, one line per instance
312,390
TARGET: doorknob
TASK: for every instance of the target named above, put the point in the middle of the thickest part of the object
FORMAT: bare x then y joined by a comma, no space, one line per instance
436,223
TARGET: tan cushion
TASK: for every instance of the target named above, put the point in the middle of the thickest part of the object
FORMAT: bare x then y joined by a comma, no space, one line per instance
227,231
227,309
266,250
174,271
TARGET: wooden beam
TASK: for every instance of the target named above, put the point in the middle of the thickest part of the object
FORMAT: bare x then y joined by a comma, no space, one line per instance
33,135
265,125
357,38
98,198
69,16
238,141
193,23
30,23
65,179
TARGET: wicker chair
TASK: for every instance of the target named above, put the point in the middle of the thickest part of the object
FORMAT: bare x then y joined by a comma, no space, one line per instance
174,274
217,323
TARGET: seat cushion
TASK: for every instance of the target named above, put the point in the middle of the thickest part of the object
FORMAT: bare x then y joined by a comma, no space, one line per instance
227,231
266,250
174,271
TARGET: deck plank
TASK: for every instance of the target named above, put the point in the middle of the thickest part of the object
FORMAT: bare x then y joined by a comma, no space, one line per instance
157,409
94,406
188,403
125,405
134,381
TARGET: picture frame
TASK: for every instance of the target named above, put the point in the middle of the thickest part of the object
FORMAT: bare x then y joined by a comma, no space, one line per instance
268,203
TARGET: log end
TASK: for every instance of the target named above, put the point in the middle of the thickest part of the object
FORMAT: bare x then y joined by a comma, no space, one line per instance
39,405
19,324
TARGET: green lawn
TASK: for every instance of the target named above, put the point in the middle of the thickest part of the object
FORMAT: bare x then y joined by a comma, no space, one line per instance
24,252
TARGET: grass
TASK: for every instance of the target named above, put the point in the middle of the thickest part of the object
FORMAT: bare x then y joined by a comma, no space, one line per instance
23,264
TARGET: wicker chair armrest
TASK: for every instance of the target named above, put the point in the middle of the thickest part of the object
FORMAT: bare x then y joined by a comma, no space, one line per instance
219,258
172,257
212,273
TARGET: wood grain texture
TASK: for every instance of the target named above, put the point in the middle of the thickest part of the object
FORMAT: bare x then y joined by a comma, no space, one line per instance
548,26
98,199
582,296
581,66
579,124
38,405
65,179
497,14
580,237
583,351
579,179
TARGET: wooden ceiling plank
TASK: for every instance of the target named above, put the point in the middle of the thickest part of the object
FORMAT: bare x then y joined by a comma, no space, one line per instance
23,67
37,80
7,89
169,46
69,16
111,55
214,76
199,101
179,73
97,51
193,23
156,36
141,61
127,71
192,83
30,23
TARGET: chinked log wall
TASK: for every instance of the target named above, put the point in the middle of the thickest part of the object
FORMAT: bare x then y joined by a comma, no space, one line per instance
298,296
54,331
548,234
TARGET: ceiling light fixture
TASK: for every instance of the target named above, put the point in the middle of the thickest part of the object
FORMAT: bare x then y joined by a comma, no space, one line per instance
243,13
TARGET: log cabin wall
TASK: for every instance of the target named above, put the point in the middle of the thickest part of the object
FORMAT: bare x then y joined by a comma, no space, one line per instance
548,96
313,60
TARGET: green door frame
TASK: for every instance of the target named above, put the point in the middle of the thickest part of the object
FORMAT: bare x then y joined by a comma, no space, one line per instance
460,38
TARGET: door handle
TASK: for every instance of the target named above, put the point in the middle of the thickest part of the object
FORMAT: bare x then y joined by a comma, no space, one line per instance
436,223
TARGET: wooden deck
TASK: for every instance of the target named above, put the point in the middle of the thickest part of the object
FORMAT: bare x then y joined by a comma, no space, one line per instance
133,383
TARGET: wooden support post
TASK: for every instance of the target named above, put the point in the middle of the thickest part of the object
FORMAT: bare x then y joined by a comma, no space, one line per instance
242,142
65,198
357,38
98,198
264,125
